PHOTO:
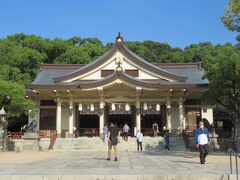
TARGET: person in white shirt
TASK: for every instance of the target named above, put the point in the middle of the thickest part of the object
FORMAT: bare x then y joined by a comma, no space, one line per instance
202,141
126,129
155,129
139,137
105,131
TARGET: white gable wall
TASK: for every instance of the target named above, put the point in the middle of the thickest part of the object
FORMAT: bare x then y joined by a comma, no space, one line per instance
95,74
145,75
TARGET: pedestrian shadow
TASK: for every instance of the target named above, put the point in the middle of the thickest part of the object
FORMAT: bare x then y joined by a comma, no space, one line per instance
187,162
186,154
103,159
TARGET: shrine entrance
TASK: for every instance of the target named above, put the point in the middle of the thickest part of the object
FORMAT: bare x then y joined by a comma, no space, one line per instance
120,116
88,125
121,119
151,115
147,121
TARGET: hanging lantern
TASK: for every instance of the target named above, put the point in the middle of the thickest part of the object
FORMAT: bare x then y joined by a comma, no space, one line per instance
145,107
158,107
80,107
91,107
127,107
113,107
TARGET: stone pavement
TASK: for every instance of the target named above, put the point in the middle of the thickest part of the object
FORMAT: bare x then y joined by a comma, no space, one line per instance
94,164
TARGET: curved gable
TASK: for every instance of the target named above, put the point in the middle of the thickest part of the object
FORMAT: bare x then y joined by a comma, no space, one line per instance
148,70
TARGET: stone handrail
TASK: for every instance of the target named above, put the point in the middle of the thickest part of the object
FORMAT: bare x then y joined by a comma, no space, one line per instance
16,135
88,131
41,134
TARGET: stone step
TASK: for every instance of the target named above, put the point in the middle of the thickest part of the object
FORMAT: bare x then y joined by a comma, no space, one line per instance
95,143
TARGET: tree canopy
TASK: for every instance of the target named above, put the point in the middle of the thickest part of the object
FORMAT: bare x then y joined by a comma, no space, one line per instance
232,15
12,99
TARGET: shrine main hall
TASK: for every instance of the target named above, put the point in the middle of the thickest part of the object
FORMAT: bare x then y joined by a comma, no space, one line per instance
119,87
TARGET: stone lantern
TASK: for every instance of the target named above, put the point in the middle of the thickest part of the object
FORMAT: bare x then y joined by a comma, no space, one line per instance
2,114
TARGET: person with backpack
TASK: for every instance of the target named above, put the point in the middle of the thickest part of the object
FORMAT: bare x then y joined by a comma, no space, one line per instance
112,140
155,129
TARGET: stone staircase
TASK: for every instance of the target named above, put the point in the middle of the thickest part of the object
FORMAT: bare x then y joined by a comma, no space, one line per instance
96,144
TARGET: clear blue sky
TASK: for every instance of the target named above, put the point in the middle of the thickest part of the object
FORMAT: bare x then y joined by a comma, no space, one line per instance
177,22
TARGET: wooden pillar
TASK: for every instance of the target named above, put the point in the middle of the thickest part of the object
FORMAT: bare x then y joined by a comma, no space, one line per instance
101,117
181,113
168,114
70,125
138,121
59,117
138,116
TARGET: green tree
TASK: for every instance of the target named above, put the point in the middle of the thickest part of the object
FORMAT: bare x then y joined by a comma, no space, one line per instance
12,99
232,15
223,72
74,55
156,52
57,48
25,59
229,67
83,54
199,52
17,103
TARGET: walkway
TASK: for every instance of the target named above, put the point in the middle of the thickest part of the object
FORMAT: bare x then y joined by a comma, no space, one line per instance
95,163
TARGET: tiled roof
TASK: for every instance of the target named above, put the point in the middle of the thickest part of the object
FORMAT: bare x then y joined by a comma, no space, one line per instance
192,73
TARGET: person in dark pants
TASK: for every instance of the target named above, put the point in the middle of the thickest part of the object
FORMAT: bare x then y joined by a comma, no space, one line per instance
126,129
139,137
112,141
185,136
155,129
201,138
167,139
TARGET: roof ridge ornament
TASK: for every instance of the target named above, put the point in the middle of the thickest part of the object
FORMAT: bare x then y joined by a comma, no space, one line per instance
119,39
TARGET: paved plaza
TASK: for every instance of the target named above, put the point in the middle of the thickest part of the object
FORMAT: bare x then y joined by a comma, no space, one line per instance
95,164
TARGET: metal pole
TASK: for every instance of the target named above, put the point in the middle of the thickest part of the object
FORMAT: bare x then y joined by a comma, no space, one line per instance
236,165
